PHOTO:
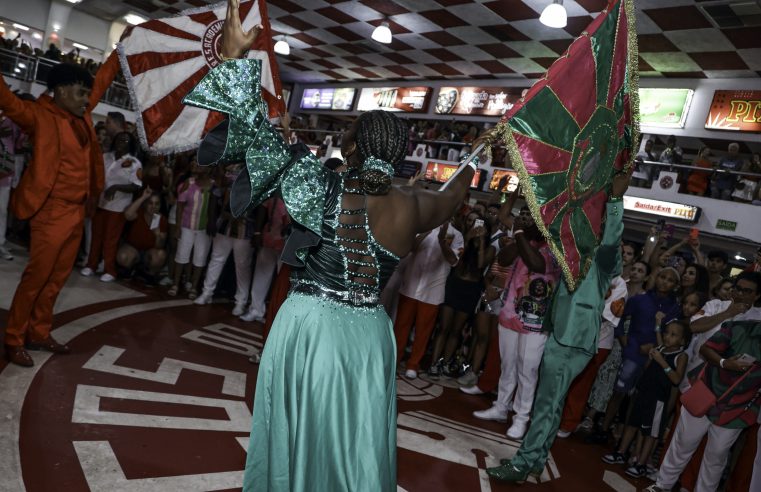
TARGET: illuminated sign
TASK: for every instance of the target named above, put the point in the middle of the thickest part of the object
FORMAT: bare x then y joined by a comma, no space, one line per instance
441,173
738,111
339,99
482,101
661,208
664,108
512,183
398,99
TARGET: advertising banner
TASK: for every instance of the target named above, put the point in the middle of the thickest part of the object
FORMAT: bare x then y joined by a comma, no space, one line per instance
664,108
397,99
330,98
512,183
477,101
661,208
441,172
738,111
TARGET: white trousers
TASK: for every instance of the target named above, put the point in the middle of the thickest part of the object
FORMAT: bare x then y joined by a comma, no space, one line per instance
266,262
5,194
521,355
755,482
689,433
243,253
196,241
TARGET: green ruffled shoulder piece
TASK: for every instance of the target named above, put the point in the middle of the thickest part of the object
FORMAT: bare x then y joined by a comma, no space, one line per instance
234,88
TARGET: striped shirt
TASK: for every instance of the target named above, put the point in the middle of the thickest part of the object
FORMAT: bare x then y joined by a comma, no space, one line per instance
195,215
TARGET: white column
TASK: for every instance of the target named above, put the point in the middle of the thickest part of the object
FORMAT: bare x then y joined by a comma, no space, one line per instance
58,17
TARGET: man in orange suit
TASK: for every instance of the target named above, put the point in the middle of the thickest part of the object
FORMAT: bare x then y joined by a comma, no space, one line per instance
65,171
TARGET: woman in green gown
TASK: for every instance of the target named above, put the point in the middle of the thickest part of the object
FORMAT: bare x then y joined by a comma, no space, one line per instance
325,401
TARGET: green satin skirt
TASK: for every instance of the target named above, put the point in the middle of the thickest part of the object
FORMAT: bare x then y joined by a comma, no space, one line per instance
325,401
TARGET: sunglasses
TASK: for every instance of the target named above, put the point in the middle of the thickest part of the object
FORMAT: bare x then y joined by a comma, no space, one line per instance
744,290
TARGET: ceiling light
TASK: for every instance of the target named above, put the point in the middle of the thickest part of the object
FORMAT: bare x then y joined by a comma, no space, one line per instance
80,46
73,1
37,35
21,65
382,33
554,15
282,48
134,19
56,27
20,26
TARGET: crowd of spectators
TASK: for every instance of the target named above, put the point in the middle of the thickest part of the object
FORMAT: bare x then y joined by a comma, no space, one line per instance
718,179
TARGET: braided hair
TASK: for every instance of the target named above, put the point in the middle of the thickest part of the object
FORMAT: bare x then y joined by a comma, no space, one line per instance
381,134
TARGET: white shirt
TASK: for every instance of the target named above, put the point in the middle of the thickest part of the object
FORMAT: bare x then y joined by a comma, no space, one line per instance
426,275
124,171
615,301
711,308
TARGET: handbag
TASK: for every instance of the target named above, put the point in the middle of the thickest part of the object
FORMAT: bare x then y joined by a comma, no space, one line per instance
699,399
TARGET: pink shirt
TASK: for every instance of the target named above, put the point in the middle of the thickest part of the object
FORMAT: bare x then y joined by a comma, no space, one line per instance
196,199
528,294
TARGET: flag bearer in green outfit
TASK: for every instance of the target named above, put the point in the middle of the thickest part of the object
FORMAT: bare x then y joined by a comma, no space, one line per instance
574,323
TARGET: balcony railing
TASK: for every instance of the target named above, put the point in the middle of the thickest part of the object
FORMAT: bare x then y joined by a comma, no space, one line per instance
35,69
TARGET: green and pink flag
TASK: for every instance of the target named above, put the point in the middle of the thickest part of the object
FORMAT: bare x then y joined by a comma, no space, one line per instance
572,131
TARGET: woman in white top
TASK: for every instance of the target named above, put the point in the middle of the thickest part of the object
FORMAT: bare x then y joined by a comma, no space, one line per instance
123,179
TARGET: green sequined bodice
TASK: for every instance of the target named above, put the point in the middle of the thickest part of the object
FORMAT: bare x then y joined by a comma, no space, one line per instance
348,258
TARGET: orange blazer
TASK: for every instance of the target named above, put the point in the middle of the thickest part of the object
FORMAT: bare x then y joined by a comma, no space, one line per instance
37,121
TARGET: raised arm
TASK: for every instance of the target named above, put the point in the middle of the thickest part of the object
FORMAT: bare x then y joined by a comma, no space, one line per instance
18,111
609,253
435,207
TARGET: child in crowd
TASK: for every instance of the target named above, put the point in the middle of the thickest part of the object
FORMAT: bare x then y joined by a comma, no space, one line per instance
193,199
144,245
663,372
640,317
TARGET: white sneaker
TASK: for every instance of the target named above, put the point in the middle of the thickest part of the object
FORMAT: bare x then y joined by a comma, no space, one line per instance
471,390
493,413
107,277
86,272
203,299
586,425
410,374
516,431
5,254
252,316
188,286
563,434
165,282
256,358
238,309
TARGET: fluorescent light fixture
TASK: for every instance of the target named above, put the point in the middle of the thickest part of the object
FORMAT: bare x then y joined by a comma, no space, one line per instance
20,26
73,1
554,15
740,257
56,27
382,33
80,46
282,48
134,19
37,35
17,70
22,65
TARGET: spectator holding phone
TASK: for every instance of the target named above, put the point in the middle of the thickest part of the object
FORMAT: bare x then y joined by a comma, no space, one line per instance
144,245
733,376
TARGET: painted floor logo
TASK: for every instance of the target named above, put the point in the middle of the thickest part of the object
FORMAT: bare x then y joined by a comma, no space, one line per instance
149,401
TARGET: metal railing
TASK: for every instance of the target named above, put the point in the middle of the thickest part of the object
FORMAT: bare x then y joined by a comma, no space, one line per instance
36,69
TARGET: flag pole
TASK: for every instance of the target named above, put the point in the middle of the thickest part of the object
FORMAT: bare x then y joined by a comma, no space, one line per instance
465,164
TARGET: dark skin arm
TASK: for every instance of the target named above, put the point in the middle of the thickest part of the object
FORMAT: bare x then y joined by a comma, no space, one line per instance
111,190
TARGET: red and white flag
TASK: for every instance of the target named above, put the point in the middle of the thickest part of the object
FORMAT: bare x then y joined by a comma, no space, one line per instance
163,59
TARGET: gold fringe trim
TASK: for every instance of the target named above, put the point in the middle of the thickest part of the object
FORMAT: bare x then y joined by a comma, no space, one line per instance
503,130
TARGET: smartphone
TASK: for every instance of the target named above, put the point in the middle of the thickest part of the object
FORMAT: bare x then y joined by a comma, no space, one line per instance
694,233
747,358
478,223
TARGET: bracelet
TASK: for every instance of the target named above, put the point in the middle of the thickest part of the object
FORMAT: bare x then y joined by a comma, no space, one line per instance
517,231
721,363
667,369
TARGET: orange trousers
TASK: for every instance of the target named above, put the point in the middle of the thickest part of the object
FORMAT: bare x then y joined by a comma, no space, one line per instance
578,393
56,231
413,312
107,228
